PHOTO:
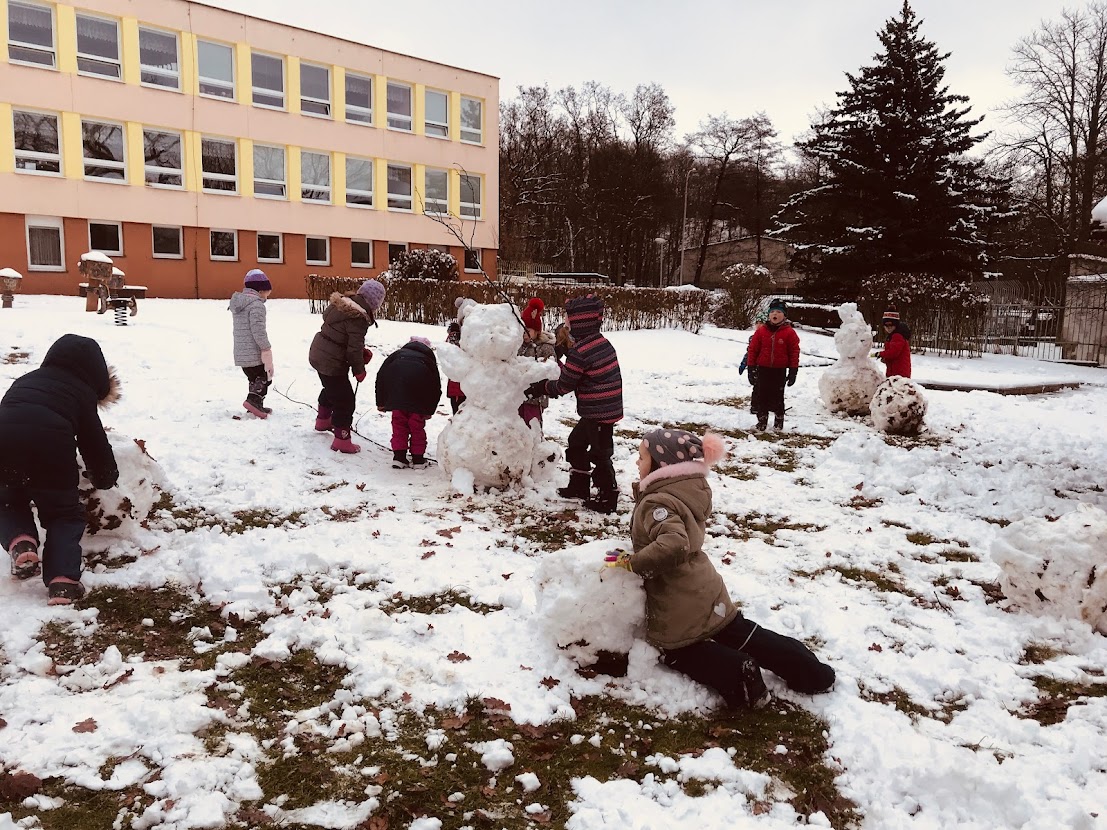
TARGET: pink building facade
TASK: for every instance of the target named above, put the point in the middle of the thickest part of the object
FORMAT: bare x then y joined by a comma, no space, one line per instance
191,144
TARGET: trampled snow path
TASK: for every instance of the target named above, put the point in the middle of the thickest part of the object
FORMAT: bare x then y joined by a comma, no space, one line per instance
842,499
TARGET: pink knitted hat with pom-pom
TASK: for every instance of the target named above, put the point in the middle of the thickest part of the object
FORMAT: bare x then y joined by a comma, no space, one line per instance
675,446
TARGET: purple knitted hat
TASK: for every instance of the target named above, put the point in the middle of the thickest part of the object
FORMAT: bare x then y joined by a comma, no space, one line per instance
256,279
373,292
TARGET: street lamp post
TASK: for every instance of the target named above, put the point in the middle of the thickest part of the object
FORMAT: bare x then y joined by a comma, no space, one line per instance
684,222
660,260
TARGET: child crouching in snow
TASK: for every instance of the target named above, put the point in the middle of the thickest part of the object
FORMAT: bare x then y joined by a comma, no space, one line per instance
408,384
689,614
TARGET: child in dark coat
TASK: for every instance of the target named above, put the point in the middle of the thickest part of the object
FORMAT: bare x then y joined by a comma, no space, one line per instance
591,370
408,384
689,613
252,350
46,416
338,349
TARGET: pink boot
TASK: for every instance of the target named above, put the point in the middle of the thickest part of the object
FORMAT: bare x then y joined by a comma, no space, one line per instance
323,418
342,442
24,554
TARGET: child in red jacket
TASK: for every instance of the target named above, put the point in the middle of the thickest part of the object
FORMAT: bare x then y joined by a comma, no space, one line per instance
896,353
773,360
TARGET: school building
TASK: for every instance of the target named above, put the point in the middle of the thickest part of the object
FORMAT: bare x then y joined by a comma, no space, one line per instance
192,144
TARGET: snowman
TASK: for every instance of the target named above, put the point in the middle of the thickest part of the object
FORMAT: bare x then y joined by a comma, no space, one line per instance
849,384
898,406
487,444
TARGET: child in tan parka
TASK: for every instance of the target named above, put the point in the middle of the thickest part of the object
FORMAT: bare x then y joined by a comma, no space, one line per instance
689,614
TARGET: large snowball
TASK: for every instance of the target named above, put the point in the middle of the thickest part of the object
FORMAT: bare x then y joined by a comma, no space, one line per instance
120,511
583,611
898,407
1056,568
848,386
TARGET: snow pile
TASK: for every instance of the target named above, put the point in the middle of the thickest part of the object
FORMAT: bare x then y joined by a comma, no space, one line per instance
1054,568
575,601
487,444
849,384
898,407
120,511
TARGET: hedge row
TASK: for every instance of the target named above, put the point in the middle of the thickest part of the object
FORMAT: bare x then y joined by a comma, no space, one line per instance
432,301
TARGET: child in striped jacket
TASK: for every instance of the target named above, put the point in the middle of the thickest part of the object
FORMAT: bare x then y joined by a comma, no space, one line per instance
591,370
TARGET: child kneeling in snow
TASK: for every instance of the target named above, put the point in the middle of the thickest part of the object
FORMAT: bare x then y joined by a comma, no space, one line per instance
45,416
689,614
409,385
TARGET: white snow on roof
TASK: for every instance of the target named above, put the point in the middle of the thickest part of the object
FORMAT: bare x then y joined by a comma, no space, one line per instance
96,256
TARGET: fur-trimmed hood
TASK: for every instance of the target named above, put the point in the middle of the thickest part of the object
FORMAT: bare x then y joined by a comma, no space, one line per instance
350,305
83,358
684,468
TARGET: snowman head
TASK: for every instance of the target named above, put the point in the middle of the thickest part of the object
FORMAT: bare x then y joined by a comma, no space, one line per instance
491,332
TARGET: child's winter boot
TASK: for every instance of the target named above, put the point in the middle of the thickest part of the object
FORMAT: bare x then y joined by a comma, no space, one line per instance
580,486
778,421
418,462
64,591
342,442
254,404
24,553
399,460
604,502
323,418
750,691
762,421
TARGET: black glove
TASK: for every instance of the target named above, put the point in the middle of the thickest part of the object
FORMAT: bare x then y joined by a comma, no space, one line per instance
536,389
792,376
751,373
104,481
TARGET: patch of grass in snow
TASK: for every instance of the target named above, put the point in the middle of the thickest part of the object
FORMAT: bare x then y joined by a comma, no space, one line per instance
910,442
412,780
998,522
881,581
861,503
744,527
440,603
1038,653
83,809
992,592
180,626
738,402
554,531
959,554
326,488
16,356
1056,696
167,511
918,538
891,523
898,698
742,472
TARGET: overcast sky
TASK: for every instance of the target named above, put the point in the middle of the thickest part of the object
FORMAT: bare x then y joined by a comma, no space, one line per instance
785,57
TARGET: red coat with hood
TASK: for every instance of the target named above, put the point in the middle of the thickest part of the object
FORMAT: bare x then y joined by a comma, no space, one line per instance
774,348
896,353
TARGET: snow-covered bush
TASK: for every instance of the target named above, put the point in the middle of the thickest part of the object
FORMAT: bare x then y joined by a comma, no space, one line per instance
424,264
743,287
1056,568
898,407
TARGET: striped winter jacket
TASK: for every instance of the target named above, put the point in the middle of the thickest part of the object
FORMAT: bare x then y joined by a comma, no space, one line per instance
591,369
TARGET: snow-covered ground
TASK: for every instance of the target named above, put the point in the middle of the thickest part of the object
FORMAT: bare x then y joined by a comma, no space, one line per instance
879,557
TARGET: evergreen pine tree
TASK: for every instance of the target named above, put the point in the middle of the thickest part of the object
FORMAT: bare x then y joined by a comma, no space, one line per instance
897,192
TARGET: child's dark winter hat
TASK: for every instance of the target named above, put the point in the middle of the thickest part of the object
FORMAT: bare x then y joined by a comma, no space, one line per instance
891,316
256,279
532,314
373,292
778,305
675,446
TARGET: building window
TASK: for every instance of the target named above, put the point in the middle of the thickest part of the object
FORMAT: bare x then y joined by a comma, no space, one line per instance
396,250
163,158
359,98
37,146
269,172
472,260
224,245
270,247
318,250
45,244
399,107
106,237
103,150
315,176
399,187
359,182
158,59
219,160
98,47
315,90
31,33
472,120
215,67
167,242
267,72
437,119
470,196
437,187
361,253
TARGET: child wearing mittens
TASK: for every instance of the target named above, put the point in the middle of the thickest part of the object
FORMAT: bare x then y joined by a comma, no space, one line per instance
689,614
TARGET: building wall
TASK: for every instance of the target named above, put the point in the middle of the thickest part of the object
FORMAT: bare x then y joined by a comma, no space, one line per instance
71,95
